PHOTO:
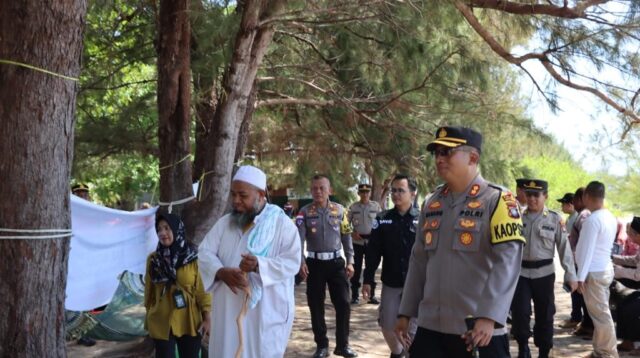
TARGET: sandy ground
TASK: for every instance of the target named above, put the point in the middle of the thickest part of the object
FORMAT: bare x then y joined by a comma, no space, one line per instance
365,336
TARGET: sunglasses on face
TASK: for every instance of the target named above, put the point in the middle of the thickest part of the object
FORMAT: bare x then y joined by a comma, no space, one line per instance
445,151
398,190
533,193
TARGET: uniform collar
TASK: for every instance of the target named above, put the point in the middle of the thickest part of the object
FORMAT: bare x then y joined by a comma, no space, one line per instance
474,189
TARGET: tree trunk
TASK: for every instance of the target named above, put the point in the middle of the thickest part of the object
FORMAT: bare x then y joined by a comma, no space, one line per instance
174,101
36,127
218,148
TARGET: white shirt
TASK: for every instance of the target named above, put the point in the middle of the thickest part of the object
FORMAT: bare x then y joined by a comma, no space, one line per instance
266,328
593,253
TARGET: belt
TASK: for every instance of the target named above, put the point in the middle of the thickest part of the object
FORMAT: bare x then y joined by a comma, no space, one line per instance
324,255
536,264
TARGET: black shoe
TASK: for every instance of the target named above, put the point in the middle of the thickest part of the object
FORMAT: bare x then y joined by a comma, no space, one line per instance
86,341
345,351
321,352
373,301
355,301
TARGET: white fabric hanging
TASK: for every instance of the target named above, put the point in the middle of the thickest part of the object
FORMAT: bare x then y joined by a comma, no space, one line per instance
105,242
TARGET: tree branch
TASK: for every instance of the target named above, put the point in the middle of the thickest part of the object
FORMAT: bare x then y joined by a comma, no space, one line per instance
579,11
542,57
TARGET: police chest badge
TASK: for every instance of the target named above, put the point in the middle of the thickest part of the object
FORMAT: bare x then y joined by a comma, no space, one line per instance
467,224
428,238
466,238
374,224
474,204
435,205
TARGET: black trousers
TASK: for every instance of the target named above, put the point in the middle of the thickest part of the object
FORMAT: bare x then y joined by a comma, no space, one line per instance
628,318
188,346
541,291
333,274
432,344
358,256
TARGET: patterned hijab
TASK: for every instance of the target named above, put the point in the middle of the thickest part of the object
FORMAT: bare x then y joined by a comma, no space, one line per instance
168,259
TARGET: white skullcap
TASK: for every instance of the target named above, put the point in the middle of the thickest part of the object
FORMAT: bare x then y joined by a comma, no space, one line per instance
252,175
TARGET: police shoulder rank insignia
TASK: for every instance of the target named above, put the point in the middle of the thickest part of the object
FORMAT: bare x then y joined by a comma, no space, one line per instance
474,204
466,238
435,205
506,224
475,189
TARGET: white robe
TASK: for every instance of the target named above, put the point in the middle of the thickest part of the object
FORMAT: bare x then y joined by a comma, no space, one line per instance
267,327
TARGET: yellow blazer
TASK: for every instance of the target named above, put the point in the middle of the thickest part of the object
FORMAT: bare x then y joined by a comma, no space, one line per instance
162,314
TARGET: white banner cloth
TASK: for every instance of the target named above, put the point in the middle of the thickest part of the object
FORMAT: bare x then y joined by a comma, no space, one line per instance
105,242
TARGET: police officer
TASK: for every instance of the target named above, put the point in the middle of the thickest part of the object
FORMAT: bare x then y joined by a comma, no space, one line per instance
81,190
325,227
543,231
576,310
361,216
393,235
466,257
521,197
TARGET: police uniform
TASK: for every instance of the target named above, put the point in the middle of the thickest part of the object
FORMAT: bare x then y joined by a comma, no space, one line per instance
328,235
361,217
544,233
465,262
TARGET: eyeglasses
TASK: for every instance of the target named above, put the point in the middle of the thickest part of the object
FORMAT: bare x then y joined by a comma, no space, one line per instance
398,190
533,193
446,151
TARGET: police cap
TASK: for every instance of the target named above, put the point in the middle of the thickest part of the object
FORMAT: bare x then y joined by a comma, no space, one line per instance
566,199
520,182
453,137
536,185
79,187
364,187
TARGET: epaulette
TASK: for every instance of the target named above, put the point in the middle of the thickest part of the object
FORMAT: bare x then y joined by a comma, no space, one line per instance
555,213
438,187
498,187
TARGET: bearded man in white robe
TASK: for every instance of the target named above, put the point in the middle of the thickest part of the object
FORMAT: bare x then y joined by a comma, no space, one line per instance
255,248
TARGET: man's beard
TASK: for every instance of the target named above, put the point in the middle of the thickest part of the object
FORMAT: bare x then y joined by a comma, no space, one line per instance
244,219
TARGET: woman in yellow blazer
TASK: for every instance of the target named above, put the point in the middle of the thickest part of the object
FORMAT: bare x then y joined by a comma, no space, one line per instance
174,297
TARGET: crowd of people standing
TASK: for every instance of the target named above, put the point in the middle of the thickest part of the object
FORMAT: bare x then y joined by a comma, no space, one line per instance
453,268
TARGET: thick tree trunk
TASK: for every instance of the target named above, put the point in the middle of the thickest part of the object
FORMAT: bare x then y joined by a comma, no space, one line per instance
174,101
220,143
36,151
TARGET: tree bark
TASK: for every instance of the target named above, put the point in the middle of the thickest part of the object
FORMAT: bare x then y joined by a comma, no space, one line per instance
174,101
36,127
220,143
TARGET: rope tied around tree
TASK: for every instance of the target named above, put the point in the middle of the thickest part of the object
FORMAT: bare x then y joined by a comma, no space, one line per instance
38,69
40,234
